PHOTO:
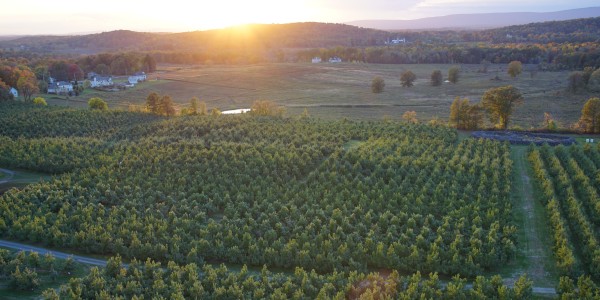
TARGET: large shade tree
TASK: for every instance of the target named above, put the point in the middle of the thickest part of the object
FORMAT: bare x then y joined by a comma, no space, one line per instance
27,85
377,85
515,68
499,104
152,102
453,74
590,116
407,78
464,115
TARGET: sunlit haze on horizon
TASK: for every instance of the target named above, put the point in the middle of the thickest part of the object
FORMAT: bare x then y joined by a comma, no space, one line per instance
62,17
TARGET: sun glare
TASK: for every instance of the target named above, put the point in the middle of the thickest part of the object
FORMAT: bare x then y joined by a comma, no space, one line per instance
232,13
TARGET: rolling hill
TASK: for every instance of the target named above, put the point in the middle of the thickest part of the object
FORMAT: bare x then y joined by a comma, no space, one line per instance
255,36
263,38
478,21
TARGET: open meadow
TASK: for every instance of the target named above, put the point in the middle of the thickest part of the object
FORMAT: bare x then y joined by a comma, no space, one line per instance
343,90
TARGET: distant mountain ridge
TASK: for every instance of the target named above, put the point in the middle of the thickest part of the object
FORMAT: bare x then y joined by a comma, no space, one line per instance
258,39
478,21
252,36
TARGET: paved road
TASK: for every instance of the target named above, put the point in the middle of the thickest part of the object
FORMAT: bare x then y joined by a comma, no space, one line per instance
10,174
57,254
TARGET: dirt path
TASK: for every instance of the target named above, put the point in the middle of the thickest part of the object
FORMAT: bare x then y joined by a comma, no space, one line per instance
535,250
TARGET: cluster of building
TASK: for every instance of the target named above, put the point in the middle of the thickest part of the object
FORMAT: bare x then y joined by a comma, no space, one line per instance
104,81
396,41
332,60
96,81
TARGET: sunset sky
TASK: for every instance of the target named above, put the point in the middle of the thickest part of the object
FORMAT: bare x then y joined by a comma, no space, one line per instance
68,17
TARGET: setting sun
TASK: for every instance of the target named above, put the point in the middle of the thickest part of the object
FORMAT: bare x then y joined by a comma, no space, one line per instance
230,13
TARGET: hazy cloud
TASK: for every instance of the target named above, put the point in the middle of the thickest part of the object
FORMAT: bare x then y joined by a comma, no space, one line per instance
60,16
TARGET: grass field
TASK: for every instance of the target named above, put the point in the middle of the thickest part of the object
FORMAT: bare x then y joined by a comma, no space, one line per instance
343,90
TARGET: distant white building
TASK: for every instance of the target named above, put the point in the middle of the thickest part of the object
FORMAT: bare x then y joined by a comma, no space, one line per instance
316,60
137,77
14,92
396,41
100,81
60,87
335,59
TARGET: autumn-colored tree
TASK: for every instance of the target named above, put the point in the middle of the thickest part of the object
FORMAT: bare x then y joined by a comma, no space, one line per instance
436,78
266,108
9,75
590,116
453,74
499,104
201,110
196,107
166,106
152,103
5,93
40,101
515,68
74,72
407,78
377,84
97,104
549,122
193,109
464,115
27,85
410,117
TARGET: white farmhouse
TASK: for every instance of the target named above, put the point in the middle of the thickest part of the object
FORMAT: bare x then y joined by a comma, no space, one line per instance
137,77
60,87
14,92
335,59
100,81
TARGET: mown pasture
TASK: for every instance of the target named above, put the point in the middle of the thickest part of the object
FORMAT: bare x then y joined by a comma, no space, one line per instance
343,90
